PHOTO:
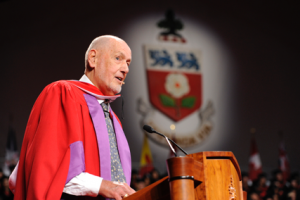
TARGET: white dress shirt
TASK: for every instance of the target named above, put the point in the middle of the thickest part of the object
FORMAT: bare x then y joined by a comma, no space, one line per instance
84,184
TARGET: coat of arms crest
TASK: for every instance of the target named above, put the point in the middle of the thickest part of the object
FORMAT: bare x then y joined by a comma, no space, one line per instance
174,79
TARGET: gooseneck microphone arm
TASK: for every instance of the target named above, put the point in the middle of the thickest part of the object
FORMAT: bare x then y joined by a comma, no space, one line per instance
149,129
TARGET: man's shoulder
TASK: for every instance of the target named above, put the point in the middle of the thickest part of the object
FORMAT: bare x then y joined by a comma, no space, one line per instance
60,89
63,85
75,85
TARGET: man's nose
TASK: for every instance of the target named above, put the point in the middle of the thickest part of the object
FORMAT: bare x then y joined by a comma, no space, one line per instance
125,68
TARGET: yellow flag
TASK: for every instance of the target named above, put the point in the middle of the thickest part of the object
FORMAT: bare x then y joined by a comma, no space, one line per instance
146,156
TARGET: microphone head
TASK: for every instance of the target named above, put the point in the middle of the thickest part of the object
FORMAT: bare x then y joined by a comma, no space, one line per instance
149,129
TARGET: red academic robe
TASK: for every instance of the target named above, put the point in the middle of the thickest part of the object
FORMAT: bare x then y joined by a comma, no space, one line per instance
59,118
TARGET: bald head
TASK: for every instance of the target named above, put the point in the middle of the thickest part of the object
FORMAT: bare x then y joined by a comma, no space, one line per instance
101,43
107,63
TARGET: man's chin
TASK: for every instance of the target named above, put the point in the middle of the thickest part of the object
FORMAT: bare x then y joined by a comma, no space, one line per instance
116,90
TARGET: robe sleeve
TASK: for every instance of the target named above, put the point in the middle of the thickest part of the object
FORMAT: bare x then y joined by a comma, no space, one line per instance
54,123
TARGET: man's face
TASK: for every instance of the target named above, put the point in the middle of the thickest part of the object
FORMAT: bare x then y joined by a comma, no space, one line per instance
112,67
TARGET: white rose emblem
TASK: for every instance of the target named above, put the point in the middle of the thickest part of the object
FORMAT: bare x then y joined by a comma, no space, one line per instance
177,85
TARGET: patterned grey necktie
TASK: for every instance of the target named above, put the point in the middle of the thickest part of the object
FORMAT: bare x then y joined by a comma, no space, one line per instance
117,173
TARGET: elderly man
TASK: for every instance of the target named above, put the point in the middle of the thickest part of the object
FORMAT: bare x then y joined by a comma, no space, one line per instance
74,144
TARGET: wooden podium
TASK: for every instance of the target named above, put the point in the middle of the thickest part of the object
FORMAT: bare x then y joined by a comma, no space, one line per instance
211,175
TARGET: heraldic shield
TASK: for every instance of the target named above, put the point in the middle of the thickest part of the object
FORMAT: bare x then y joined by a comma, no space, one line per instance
174,80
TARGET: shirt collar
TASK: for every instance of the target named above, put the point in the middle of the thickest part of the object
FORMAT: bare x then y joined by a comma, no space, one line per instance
85,79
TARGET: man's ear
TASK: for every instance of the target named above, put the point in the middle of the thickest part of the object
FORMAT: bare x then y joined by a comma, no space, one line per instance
92,58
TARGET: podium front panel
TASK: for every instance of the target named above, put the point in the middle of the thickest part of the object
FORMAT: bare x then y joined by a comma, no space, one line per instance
221,180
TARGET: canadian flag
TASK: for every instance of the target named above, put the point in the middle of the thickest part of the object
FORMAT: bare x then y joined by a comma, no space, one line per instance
255,167
284,164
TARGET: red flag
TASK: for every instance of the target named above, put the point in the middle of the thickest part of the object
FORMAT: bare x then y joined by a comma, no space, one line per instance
284,164
255,167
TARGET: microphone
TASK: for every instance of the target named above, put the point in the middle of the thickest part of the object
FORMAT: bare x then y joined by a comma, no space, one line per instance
149,129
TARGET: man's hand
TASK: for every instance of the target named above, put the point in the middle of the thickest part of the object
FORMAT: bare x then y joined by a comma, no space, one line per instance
115,190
